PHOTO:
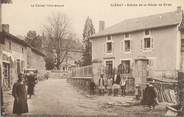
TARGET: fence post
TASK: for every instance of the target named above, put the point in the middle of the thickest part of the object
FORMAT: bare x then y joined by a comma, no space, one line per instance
181,91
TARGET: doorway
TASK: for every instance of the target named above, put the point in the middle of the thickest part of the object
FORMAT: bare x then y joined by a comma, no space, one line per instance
6,76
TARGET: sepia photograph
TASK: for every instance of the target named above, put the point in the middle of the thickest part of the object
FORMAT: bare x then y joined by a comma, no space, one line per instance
92,58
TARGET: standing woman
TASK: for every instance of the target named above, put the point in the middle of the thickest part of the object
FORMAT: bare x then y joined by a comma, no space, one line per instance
20,96
101,85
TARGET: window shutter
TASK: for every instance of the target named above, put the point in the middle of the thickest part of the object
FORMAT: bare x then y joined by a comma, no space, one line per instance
151,42
112,47
141,44
131,45
122,46
104,47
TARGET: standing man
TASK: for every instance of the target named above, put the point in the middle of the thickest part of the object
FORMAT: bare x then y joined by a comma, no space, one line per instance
20,96
123,86
30,84
116,84
92,87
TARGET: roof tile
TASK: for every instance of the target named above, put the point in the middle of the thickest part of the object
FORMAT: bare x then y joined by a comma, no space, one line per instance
141,23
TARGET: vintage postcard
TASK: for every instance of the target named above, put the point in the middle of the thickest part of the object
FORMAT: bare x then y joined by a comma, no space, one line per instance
92,58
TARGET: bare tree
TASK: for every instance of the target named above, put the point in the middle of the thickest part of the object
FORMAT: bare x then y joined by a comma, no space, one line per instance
57,30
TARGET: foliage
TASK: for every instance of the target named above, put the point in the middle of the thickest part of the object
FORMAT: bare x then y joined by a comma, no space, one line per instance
49,60
33,39
87,32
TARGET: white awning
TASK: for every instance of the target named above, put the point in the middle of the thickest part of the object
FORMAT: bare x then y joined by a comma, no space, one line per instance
9,55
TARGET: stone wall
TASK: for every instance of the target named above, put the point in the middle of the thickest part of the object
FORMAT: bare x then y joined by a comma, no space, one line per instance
36,60
80,83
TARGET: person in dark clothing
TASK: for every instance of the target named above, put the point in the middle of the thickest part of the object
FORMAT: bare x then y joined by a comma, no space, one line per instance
145,92
31,81
92,87
2,104
149,96
118,79
20,96
116,84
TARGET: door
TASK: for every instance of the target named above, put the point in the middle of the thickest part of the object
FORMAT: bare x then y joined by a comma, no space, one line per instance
6,76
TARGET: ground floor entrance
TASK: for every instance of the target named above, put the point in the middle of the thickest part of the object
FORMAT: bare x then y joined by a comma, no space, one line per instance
6,76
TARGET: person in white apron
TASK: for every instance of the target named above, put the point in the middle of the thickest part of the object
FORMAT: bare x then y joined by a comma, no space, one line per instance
101,85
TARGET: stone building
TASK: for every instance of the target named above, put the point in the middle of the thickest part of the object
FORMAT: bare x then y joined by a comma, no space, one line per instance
13,57
16,56
155,40
35,59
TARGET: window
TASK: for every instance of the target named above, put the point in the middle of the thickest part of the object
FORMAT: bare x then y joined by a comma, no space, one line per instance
109,67
18,66
109,38
9,45
2,40
109,47
127,45
126,35
147,32
125,66
22,50
147,43
22,66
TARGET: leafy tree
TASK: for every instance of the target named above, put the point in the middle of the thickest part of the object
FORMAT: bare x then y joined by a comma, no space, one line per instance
49,62
87,32
33,39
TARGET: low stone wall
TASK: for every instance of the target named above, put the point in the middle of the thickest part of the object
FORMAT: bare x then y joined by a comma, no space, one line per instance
59,74
42,74
80,83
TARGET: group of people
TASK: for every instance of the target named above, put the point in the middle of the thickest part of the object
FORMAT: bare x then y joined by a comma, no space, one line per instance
112,85
21,89
117,85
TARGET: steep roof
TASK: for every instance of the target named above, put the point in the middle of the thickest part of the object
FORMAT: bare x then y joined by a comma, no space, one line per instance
141,23
37,51
20,41
14,38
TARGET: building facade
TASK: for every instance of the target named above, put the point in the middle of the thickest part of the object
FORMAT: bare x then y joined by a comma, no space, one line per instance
35,59
16,56
155,39
13,58
72,59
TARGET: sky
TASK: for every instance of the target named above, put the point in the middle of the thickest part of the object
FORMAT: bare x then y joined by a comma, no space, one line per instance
22,16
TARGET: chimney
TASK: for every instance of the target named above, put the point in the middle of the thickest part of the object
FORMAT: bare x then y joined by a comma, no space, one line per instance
179,9
5,28
101,25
